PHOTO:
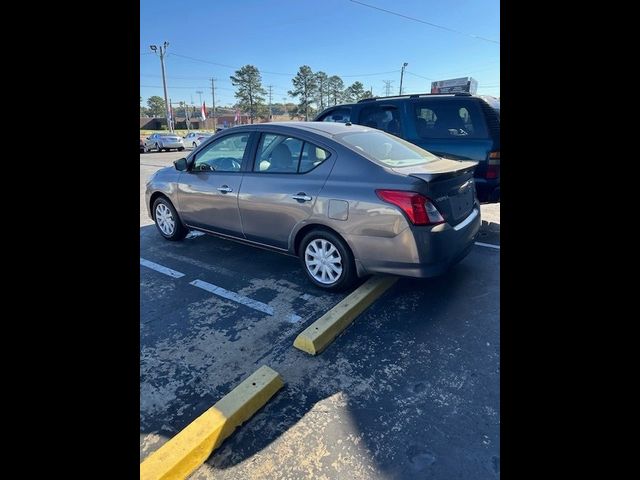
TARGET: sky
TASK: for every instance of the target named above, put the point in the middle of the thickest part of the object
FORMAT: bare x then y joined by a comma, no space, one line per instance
339,37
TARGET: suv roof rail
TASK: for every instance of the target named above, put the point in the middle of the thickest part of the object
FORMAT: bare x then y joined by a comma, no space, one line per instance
415,95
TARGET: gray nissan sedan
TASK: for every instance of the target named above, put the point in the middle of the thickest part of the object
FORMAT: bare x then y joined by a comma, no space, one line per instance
348,200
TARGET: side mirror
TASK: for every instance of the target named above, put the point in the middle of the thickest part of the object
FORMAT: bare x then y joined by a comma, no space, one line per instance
180,164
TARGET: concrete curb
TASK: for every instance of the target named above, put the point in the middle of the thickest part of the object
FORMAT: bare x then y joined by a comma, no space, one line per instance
186,451
317,336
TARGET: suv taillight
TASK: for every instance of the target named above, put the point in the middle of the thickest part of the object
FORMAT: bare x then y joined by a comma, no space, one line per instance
419,209
493,165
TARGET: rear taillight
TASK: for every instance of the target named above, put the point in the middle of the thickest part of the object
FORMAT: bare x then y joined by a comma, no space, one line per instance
493,165
419,209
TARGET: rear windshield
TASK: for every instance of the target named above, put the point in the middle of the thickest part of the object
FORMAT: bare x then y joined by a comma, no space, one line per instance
449,119
387,149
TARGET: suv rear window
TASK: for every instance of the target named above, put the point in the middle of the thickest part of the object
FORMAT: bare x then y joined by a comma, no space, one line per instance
449,119
340,115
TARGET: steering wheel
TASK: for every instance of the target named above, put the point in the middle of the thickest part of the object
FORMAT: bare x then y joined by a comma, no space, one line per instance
228,164
205,167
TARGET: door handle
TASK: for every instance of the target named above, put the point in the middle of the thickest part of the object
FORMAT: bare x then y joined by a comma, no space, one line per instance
301,197
225,189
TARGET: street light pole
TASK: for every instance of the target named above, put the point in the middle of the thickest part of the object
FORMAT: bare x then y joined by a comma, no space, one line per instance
163,50
402,75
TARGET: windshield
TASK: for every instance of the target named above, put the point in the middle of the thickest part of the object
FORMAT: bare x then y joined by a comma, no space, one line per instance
387,149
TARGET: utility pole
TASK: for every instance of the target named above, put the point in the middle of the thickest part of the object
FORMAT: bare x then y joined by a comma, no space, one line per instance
401,75
199,92
163,51
213,96
284,105
172,120
387,87
270,114
186,115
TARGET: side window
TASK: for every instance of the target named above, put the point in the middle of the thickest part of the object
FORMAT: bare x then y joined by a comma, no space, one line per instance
312,156
466,118
282,154
449,119
381,117
340,115
223,155
278,154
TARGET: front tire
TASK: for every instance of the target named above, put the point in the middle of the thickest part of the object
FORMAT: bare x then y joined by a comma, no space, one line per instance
327,260
180,149
167,221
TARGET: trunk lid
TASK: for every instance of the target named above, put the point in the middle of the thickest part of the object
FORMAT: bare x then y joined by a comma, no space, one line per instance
449,184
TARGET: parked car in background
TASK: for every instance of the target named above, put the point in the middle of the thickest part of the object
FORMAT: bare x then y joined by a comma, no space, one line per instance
194,139
457,126
189,139
164,141
348,200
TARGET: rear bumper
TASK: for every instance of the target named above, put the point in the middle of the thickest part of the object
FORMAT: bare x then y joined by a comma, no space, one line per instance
419,252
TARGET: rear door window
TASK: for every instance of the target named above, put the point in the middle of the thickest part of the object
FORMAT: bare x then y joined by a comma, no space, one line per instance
283,154
382,117
449,119
340,115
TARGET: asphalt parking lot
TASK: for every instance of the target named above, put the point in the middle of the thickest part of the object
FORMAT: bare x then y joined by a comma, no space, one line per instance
410,390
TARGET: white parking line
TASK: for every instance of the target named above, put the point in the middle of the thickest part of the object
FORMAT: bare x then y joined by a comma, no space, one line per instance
229,295
161,269
497,247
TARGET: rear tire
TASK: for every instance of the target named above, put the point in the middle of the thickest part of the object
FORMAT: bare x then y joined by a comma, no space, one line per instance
327,260
180,149
167,221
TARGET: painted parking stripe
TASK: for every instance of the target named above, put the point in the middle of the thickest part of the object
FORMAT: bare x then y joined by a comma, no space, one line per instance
160,268
497,247
229,295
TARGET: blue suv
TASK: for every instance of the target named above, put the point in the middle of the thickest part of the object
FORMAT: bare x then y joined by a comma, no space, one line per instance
458,126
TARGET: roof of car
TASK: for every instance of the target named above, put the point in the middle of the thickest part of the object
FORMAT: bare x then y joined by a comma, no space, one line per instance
326,128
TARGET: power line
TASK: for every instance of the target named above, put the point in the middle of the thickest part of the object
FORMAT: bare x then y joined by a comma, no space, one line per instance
274,73
427,23
370,74
421,76
228,66
188,88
